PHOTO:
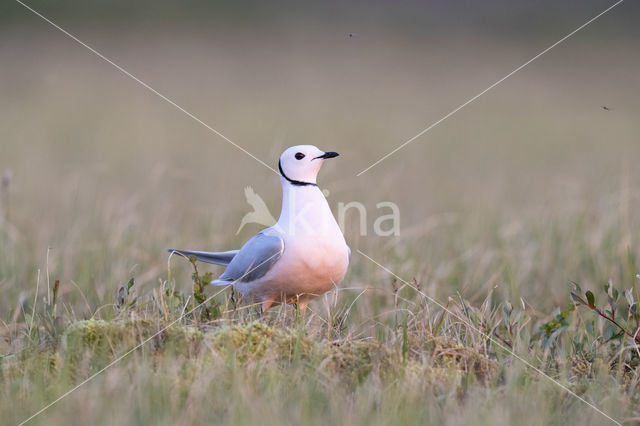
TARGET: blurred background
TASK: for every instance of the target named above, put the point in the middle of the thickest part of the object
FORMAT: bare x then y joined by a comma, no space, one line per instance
531,185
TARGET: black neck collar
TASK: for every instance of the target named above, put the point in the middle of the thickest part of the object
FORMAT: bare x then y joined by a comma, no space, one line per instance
292,181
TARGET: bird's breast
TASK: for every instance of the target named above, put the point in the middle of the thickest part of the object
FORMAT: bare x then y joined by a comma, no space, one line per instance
320,262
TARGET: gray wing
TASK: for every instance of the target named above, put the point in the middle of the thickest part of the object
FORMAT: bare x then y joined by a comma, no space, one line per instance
217,258
254,259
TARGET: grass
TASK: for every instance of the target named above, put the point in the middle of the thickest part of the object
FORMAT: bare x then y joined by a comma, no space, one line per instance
502,207
408,361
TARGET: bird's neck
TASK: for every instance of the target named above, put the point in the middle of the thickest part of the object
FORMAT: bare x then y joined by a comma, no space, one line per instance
305,210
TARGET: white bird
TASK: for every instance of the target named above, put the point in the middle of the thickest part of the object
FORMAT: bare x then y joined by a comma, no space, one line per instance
303,255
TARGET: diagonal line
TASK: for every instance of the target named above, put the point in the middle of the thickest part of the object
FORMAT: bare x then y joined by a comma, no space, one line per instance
145,85
490,87
496,342
120,358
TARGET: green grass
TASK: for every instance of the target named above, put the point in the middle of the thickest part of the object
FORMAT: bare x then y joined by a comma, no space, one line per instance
408,361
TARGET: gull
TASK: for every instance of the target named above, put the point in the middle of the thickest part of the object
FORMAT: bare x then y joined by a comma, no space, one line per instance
300,257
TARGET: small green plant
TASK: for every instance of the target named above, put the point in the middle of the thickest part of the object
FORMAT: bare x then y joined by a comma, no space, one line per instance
551,330
126,299
621,313
53,323
209,309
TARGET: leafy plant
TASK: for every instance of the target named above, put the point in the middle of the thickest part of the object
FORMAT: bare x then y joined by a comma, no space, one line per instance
551,330
621,313
126,299
209,309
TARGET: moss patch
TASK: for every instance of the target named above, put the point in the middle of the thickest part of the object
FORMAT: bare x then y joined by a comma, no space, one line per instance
90,345
257,340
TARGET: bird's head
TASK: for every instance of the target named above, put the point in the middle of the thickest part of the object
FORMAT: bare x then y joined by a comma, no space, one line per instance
299,165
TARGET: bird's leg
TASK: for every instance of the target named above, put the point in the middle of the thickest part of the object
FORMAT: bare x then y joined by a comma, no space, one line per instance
266,304
301,307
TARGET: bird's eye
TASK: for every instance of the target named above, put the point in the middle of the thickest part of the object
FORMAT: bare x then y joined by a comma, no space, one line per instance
299,156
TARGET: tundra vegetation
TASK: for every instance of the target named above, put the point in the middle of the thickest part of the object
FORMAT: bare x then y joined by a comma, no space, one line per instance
519,216
364,353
